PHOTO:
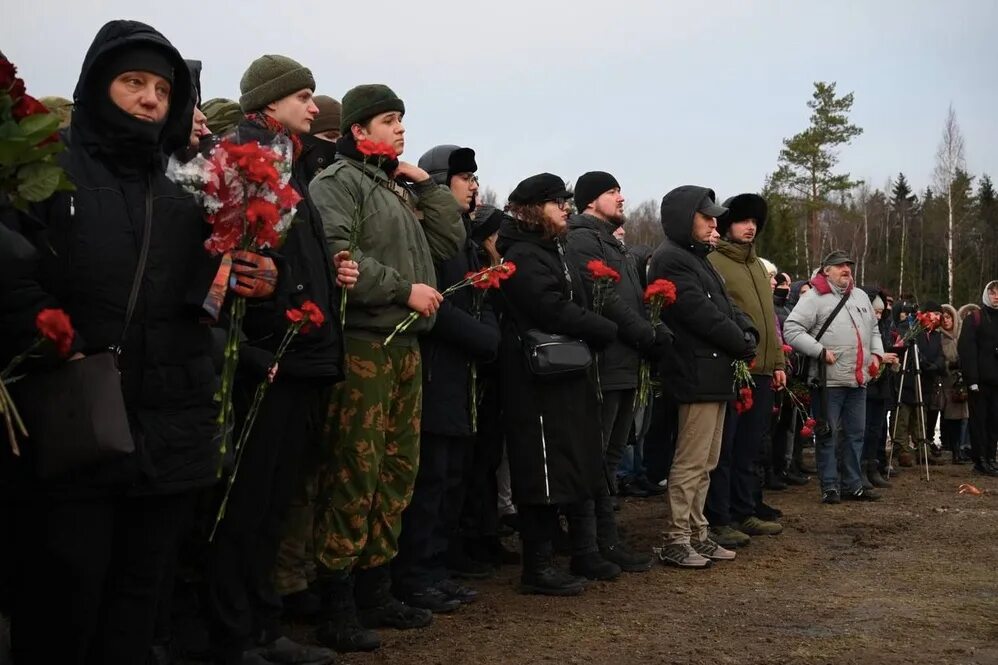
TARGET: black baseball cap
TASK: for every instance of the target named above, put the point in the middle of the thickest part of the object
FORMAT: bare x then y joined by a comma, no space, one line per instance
540,188
709,206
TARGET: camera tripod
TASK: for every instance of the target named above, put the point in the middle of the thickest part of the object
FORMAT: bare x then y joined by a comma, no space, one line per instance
912,349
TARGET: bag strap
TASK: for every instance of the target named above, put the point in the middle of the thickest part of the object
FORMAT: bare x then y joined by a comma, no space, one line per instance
835,312
140,269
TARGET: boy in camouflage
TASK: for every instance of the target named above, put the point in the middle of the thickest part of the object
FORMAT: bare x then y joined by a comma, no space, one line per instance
407,223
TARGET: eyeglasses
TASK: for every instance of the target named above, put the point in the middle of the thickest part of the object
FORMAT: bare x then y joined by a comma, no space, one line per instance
561,203
468,177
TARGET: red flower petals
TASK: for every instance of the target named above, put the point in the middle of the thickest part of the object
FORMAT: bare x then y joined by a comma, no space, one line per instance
54,324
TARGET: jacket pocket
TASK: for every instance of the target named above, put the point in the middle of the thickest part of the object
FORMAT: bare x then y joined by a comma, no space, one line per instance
714,373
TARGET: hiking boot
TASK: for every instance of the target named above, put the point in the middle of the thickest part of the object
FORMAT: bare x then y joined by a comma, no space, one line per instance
861,495
682,555
628,560
458,592
774,482
830,497
864,478
873,473
592,566
633,488
905,459
287,651
539,576
727,536
985,469
793,477
754,526
431,599
378,608
709,549
339,627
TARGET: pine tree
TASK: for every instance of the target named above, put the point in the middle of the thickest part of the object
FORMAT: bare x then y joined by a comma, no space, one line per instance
902,203
807,159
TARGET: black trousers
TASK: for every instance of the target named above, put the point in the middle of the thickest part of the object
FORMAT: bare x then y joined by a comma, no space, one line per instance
660,442
91,570
430,522
875,438
983,423
734,485
241,558
480,516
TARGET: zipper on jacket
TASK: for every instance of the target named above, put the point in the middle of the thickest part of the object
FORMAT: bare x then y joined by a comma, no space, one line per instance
544,451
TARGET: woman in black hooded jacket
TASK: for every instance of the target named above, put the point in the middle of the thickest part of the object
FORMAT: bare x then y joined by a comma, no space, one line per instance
552,425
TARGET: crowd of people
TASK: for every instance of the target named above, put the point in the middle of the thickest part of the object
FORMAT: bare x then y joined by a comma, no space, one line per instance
379,478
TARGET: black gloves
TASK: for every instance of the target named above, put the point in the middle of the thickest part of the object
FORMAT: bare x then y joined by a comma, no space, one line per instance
748,353
661,343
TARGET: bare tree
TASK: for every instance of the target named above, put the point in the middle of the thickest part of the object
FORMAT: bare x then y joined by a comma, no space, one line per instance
488,196
949,159
863,199
643,225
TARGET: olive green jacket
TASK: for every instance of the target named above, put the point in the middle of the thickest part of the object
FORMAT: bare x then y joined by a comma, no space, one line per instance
402,232
748,285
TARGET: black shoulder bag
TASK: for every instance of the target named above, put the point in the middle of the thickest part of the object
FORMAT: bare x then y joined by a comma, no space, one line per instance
75,414
805,366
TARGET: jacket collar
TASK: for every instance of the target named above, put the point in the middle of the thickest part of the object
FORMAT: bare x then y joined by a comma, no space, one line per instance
740,252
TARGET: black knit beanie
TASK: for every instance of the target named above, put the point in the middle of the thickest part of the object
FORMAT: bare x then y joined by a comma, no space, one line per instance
590,186
365,102
138,58
272,77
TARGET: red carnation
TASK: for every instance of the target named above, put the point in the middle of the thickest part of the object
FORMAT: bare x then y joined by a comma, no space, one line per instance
370,148
806,432
874,370
661,288
16,90
262,210
506,269
810,422
294,315
54,324
315,316
600,270
787,348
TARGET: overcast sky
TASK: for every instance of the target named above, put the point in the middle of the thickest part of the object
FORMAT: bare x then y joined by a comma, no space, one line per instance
658,93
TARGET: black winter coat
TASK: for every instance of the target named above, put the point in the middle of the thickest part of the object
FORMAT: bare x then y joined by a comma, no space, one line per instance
465,333
932,364
553,433
305,272
978,348
709,329
316,155
590,238
88,242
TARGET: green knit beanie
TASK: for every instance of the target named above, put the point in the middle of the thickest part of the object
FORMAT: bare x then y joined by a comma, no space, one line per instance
222,115
366,101
272,77
329,115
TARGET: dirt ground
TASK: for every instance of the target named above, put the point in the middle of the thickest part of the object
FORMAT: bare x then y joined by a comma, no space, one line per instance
910,579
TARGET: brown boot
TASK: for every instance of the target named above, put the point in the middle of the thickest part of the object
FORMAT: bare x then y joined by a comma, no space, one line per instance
905,459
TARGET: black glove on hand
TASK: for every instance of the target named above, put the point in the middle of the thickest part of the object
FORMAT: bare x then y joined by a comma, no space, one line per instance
749,352
661,343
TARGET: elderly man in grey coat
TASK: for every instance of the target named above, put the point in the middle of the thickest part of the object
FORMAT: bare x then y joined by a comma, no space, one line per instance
834,325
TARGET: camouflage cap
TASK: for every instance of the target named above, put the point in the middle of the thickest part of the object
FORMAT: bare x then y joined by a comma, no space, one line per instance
223,114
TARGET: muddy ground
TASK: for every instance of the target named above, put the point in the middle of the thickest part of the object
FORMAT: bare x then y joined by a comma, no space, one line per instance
910,579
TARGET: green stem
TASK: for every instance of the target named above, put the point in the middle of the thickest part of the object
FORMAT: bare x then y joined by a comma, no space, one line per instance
226,416
20,358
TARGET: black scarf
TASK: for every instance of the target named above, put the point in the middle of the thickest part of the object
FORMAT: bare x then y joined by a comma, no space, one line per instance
347,146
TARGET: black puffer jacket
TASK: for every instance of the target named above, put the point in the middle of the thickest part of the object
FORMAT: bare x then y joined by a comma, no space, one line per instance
709,329
884,387
590,238
88,243
978,344
466,332
305,273
316,155
553,433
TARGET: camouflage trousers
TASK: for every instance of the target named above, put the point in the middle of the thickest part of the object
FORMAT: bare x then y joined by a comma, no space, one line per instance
372,455
909,424
294,569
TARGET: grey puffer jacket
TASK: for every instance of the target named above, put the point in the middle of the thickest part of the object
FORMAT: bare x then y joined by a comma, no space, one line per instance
855,323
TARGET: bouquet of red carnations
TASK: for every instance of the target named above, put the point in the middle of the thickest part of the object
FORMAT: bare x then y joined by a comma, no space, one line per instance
743,385
247,197
660,293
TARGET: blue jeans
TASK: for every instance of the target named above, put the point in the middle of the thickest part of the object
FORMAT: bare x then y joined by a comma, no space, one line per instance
846,417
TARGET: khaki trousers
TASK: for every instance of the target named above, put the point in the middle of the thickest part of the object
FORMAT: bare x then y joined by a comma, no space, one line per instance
698,447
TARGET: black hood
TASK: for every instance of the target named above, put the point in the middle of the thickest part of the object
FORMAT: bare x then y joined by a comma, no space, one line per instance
582,221
510,233
678,208
794,296
194,67
115,140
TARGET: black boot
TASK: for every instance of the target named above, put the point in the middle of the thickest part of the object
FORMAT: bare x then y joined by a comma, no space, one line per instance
541,577
593,566
378,608
864,476
339,627
773,481
873,473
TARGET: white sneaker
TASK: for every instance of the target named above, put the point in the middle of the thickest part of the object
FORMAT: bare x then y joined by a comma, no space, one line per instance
711,550
681,555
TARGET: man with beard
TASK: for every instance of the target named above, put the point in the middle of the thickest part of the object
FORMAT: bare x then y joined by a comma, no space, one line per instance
734,486
591,237
464,334
372,452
